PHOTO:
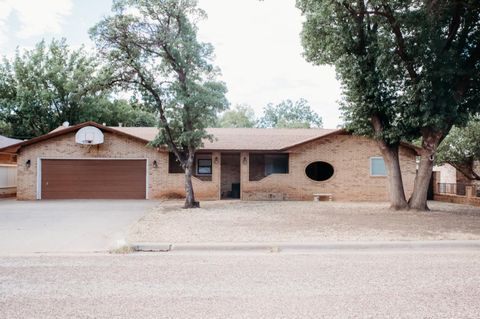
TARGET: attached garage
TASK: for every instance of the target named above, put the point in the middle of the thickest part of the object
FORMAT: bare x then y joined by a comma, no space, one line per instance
93,179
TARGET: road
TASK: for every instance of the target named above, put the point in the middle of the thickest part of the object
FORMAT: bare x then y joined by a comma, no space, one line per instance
337,284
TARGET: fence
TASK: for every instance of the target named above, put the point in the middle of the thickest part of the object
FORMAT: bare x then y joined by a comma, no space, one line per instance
458,193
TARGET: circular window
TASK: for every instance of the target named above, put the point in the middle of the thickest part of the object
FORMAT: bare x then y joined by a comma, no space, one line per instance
319,171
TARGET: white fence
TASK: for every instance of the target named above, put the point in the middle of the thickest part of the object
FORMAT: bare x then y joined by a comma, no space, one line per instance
8,176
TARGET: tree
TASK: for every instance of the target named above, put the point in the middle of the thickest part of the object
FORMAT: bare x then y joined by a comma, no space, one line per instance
239,116
461,149
151,47
288,114
5,129
48,85
115,112
334,33
416,63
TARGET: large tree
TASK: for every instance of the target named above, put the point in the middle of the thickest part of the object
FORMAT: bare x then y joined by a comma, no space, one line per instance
151,47
461,149
409,69
239,116
289,114
43,87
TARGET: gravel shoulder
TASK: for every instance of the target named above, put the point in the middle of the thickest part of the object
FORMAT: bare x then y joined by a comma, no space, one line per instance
237,221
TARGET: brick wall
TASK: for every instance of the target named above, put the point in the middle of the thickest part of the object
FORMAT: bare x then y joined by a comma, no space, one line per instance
350,157
348,154
161,184
456,199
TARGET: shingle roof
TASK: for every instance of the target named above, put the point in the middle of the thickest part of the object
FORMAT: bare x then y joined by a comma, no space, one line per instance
6,141
225,139
237,139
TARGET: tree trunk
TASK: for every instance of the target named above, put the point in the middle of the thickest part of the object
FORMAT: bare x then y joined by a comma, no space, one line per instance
430,142
418,200
398,201
189,193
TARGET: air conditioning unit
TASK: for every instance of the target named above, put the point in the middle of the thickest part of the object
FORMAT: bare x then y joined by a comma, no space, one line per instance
89,135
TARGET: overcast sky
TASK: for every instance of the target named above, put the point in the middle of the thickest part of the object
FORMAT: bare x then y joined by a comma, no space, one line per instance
257,46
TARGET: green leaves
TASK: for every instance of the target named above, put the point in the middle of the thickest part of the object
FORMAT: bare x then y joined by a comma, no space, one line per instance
43,87
151,48
239,116
289,114
461,148
413,64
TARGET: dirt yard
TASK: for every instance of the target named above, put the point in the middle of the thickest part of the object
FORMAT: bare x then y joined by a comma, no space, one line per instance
236,221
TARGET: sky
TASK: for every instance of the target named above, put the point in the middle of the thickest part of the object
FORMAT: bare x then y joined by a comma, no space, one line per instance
257,46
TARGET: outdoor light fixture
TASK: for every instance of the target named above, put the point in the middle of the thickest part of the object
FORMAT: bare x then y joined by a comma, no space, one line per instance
155,164
28,163
245,160
216,160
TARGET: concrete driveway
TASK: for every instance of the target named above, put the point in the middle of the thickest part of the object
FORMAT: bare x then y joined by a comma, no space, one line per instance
66,226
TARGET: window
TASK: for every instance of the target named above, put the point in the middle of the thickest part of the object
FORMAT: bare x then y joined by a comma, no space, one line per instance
262,165
174,166
319,171
276,164
377,166
204,166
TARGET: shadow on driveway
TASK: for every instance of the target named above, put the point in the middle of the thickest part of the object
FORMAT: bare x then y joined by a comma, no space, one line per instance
66,226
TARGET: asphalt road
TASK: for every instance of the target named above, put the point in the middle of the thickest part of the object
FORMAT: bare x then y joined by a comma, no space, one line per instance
386,284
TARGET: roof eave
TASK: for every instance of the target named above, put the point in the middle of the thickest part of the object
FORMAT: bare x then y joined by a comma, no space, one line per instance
13,149
339,131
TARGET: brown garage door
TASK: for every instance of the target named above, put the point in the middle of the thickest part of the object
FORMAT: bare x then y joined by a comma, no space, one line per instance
93,179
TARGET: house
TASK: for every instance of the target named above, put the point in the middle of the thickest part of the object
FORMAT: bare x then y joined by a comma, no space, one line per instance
94,161
8,168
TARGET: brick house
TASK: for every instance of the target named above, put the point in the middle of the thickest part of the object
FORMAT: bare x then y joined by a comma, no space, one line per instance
251,164
8,168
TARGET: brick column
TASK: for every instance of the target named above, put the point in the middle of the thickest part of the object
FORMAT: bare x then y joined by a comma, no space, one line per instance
435,182
244,172
217,172
469,189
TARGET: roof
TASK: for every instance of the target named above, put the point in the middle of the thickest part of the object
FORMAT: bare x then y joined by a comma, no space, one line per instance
61,131
6,141
224,139
238,139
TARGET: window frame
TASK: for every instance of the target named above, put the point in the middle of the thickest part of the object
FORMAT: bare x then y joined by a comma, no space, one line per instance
371,166
203,166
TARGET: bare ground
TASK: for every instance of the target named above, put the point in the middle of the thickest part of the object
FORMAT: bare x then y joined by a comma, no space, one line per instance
237,221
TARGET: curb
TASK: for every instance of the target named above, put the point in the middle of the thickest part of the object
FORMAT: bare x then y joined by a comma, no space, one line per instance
306,247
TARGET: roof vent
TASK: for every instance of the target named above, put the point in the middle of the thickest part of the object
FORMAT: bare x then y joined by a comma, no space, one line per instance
120,124
65,124
89,135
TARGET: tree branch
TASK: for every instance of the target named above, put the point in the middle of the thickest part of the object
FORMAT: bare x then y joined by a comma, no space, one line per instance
401,47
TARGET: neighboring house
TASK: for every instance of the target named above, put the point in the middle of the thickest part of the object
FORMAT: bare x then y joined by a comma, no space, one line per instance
94,161
8,168
449,180
446,174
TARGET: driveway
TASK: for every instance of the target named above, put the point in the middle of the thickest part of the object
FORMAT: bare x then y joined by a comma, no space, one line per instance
66,226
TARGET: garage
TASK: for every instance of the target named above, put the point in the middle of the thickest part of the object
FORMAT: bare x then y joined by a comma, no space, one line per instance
93,179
